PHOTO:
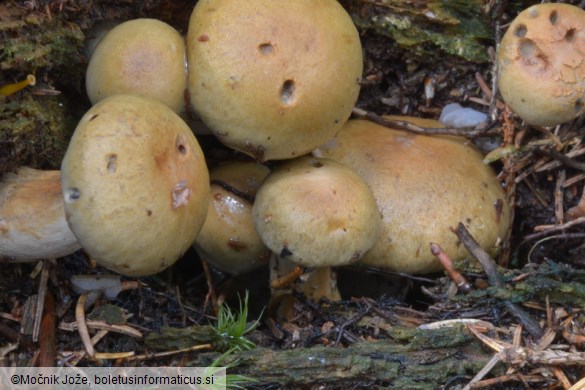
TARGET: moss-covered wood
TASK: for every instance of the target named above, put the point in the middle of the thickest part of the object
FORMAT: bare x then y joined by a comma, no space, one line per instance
427,31
426,359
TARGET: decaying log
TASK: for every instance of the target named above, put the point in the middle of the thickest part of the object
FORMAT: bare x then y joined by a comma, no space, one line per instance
428,359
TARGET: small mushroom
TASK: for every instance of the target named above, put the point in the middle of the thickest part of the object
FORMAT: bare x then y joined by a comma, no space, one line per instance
141,56
541,65
228,239
316,213
273,79
424,186
135,184
32,218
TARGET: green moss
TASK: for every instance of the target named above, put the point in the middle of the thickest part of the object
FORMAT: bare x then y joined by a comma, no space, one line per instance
40,45
34,131
454,28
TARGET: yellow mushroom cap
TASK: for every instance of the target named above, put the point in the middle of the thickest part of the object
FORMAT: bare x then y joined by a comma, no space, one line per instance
424,186
541,64
228,239
273,79
316,213
140,56
135,184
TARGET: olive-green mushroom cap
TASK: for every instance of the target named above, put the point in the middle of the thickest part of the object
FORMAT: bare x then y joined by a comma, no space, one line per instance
273,79
135,185
316,213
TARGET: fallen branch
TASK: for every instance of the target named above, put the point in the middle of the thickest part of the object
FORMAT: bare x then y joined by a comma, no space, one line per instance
484,131
489,266
427,360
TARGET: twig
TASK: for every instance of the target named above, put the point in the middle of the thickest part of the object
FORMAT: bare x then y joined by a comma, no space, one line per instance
494,279
460,281
15,336
353,319
170,353
554,229
122,329
47,347
559,373
573,180
81,325
559,209
557,163
563,159
456,322
493,382
408,126
485,370
210,296
76,357
548,357
41,299
113,355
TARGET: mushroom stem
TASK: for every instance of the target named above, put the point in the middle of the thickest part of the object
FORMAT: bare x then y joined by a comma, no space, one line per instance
32,217
315,284
320,283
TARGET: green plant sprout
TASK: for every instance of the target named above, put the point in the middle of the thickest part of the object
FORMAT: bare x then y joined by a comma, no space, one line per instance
229,381
232,327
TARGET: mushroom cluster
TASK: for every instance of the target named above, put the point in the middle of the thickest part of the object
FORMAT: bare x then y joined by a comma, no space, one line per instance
541,64
136,191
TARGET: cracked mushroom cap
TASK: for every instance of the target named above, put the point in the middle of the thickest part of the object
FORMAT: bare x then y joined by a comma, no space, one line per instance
140,56
316,213
424,186
32,217
228,239
273,79
542,64
135,185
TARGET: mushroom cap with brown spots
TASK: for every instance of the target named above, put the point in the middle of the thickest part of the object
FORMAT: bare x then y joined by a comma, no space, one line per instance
135,185
273,79
541,61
